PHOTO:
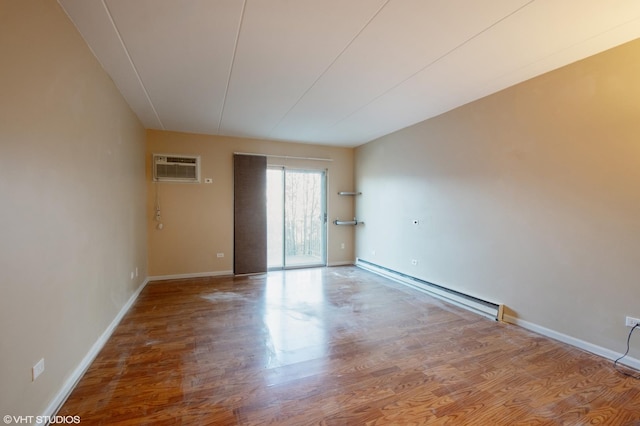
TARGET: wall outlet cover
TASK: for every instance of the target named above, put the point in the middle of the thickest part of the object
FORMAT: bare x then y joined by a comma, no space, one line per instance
37,369
630,321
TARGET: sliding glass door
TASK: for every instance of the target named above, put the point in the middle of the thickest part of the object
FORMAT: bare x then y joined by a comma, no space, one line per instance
296,218
275,218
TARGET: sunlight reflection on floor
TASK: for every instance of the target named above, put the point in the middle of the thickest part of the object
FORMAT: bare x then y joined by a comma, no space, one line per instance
295,317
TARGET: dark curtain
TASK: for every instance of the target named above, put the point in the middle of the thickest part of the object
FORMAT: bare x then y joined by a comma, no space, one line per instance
249,214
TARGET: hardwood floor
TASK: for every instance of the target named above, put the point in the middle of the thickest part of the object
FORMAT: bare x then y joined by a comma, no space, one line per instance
336,346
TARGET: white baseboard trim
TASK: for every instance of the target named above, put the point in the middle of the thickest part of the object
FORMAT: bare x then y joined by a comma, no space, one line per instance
578,343
194,275
64,392
564,338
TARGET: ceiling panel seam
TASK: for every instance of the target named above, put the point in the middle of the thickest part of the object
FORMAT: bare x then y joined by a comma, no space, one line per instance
438,59
564,49
76,24
346,47
133,65
231,66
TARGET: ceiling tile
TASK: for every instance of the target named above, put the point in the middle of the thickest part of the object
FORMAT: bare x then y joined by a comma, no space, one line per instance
537,39
92,21
403,39
332,71
183,52
283,48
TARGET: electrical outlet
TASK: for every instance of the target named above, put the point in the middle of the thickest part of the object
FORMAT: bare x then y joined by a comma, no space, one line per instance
136,271
37,369
632,321
342,246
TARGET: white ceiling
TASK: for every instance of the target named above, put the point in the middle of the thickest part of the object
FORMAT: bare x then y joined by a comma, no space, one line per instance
333,72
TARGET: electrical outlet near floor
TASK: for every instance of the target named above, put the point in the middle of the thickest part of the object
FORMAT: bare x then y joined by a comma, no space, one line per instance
630,322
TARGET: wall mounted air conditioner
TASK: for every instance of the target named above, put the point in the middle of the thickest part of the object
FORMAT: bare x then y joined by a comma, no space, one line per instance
176,168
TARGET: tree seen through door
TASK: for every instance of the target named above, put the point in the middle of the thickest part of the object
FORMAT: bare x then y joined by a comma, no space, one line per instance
303,222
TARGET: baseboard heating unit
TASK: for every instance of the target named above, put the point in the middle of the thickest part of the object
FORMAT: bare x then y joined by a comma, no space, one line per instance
482,307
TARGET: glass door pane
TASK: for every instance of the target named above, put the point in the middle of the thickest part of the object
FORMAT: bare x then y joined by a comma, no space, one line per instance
275,218
304,218
296,220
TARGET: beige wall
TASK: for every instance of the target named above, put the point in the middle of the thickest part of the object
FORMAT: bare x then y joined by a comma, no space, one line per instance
198,218
529,197
72,202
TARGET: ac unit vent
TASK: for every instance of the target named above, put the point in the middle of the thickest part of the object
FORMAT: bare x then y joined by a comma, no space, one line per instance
176,168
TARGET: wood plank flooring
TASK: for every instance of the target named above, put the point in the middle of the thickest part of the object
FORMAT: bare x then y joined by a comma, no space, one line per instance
336,346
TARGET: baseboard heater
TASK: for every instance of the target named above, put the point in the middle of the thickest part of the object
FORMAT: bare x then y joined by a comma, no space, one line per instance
471,303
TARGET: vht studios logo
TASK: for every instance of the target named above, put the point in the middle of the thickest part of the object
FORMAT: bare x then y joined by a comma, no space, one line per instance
41,420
